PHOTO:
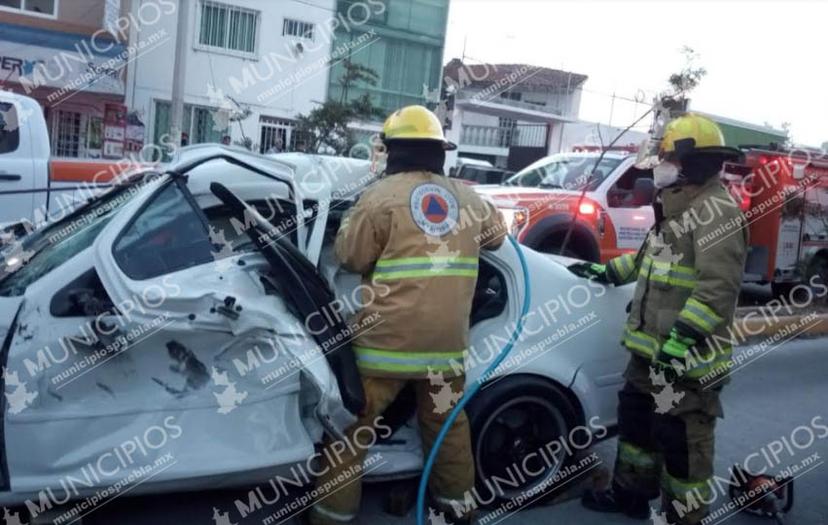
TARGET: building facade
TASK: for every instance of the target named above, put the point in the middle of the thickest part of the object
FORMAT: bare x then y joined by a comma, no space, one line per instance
407,38
402,41
252,67
509,114
69,56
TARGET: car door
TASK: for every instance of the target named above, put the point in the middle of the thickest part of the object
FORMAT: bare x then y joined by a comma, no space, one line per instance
192,350
17,177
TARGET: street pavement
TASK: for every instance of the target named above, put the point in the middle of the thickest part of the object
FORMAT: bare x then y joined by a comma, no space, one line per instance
769,407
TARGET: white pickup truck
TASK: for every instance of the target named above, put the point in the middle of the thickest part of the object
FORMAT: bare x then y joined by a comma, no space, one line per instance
34,187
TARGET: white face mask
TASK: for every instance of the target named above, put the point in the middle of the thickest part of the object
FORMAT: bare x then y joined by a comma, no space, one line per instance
665,174
379,155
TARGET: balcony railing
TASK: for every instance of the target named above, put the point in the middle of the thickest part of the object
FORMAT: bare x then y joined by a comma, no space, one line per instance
532,135
559,108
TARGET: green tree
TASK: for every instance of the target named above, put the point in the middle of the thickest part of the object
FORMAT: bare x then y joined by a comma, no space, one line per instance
355,73
690,75
325,129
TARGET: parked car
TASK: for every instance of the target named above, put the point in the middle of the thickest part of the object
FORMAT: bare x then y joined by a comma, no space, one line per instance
482,175
473,171
177,306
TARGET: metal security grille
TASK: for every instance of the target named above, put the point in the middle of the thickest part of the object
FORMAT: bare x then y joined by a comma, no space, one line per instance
228,27
66,135
298,28
275,134
272,139
508,136
43,7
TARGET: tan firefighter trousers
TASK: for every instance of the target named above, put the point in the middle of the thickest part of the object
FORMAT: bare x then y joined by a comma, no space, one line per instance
339,487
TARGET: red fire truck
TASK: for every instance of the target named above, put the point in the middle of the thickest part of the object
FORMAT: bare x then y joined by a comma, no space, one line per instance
784,195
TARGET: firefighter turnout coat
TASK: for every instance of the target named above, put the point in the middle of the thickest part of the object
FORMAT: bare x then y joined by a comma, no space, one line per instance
688,272
415,237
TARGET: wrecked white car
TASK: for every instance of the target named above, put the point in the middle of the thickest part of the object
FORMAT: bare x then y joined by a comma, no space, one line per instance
185,331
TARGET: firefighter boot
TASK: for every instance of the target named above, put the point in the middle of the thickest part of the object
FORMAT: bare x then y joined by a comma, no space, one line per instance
617,499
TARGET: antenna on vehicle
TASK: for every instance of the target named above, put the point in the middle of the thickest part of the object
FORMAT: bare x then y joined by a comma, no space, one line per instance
592,175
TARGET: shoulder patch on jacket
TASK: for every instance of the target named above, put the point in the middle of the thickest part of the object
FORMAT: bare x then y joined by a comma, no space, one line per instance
434,209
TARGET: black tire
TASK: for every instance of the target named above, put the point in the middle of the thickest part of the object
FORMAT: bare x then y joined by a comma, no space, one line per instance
510,419
791,292
816,276
782,290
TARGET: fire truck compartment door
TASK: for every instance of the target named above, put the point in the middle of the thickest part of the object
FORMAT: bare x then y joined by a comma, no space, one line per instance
631,225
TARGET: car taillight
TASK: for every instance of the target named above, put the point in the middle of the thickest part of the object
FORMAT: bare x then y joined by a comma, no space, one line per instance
745,191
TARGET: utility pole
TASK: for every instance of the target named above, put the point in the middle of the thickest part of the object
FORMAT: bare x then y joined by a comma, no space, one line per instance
179,71
612,108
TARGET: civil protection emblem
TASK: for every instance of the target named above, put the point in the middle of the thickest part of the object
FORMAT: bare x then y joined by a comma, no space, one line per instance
434,209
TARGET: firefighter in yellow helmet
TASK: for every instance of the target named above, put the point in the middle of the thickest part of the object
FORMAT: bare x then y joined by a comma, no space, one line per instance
688,275
415,237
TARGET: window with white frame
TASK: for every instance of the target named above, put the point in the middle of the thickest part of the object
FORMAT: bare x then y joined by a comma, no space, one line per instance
292,27
227,27
66,134
199,124
48,8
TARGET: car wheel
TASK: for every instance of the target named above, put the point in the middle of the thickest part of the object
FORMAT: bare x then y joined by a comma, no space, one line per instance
790,292
781,290
816,277
512,420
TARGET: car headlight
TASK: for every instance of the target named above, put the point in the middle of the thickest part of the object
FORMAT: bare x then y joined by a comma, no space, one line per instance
515,219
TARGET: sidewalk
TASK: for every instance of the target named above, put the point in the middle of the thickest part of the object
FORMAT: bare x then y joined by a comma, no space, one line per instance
760,323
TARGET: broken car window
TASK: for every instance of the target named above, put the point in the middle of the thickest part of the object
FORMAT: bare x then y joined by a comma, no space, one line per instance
34,256
165,237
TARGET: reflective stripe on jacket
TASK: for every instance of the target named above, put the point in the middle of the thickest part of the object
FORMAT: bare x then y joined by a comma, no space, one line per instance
688,272
415,238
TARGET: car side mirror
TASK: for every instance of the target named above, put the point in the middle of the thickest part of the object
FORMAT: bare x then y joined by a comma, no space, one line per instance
643,191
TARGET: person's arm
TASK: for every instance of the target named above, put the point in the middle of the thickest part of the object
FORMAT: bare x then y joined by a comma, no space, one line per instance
719,262
358,242
624,268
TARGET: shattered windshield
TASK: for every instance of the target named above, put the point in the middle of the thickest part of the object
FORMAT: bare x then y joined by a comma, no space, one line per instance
30,258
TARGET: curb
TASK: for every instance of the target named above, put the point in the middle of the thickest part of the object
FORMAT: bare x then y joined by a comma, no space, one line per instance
807,324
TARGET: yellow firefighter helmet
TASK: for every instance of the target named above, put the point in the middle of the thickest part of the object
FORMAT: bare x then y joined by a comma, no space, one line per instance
415,123
693,133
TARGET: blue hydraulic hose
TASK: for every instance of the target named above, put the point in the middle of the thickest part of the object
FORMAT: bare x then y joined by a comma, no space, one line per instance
475,387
